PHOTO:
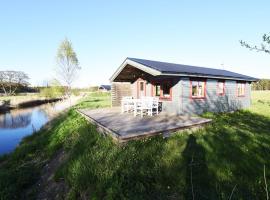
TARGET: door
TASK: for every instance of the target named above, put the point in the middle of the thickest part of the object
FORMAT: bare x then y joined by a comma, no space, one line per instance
141,89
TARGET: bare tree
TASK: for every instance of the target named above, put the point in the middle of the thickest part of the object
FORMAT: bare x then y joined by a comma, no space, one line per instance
11,80
68,64
263,47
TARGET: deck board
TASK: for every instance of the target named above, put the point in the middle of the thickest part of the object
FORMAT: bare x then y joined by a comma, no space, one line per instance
126,127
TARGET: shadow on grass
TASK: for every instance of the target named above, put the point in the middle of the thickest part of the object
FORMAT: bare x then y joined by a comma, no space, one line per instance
198,180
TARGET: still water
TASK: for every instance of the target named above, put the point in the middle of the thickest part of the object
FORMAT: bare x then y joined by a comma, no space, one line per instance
17,124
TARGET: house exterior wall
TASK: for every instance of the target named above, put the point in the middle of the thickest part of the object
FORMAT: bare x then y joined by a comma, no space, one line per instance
214,102
168,106
182,103
118,90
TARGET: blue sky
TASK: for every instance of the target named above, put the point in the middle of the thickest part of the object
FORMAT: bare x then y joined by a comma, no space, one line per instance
104,33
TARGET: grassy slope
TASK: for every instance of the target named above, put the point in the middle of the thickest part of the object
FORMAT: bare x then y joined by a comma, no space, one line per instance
230,152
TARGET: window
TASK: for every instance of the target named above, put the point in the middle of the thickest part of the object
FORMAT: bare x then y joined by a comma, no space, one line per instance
162,89
198,89
221,88
157,90
141,86
166,88
240,89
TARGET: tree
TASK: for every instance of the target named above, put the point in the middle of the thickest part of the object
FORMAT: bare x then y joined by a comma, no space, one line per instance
11,80
68,64
263,84
264,46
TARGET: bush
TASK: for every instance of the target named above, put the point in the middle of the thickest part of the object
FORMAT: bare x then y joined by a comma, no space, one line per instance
75,91
52,92
93,89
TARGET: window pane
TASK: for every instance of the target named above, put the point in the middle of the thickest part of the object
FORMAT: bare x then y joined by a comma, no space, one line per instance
141,86
198,88
200,91
220,87
194,90
241,89
157,90
166,89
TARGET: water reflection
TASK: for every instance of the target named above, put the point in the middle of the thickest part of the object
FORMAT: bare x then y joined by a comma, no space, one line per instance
15,119
17,124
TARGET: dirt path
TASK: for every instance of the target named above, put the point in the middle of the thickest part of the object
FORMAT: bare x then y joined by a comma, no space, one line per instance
47,187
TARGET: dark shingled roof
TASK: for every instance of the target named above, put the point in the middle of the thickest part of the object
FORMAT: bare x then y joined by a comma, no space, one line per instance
106,87
171,68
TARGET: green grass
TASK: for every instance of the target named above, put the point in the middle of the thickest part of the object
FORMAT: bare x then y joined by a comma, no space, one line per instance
261,102
231,152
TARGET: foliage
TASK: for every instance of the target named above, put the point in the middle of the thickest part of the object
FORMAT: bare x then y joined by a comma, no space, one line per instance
263,84
10,81
93,88
53,90
229,153
75,91
68,64
264,46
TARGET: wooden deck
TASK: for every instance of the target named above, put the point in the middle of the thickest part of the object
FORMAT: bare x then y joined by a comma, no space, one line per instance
124,127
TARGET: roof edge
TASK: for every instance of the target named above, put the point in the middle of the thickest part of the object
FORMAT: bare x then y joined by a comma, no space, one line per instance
209,76
137,65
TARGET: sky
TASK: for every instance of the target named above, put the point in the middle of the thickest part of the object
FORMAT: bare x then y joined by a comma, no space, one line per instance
103,33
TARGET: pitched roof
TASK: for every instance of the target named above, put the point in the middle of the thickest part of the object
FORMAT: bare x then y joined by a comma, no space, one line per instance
174,69
106,87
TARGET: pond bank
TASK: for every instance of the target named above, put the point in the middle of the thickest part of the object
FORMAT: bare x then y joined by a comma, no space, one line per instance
37,155
6,105
21,122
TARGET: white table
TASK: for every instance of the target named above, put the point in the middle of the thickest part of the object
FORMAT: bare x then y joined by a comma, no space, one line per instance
139,106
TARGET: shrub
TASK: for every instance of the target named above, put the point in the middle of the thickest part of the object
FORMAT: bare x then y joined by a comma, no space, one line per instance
52,92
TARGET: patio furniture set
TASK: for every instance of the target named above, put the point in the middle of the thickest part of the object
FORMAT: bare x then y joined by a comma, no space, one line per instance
143,106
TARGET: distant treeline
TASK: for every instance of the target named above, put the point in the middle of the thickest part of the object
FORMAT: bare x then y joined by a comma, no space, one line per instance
23,89
29,89
263,84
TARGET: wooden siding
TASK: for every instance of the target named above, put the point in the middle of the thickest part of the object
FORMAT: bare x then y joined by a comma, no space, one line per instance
214,102
118,91
182,103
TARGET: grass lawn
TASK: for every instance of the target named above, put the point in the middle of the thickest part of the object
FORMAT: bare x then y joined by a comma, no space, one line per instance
228,155
261,102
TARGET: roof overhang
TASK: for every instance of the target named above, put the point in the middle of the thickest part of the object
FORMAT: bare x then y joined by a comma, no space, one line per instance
144,68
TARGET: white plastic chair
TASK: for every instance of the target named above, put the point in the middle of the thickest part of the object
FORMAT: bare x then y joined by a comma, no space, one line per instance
127,104
155,105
